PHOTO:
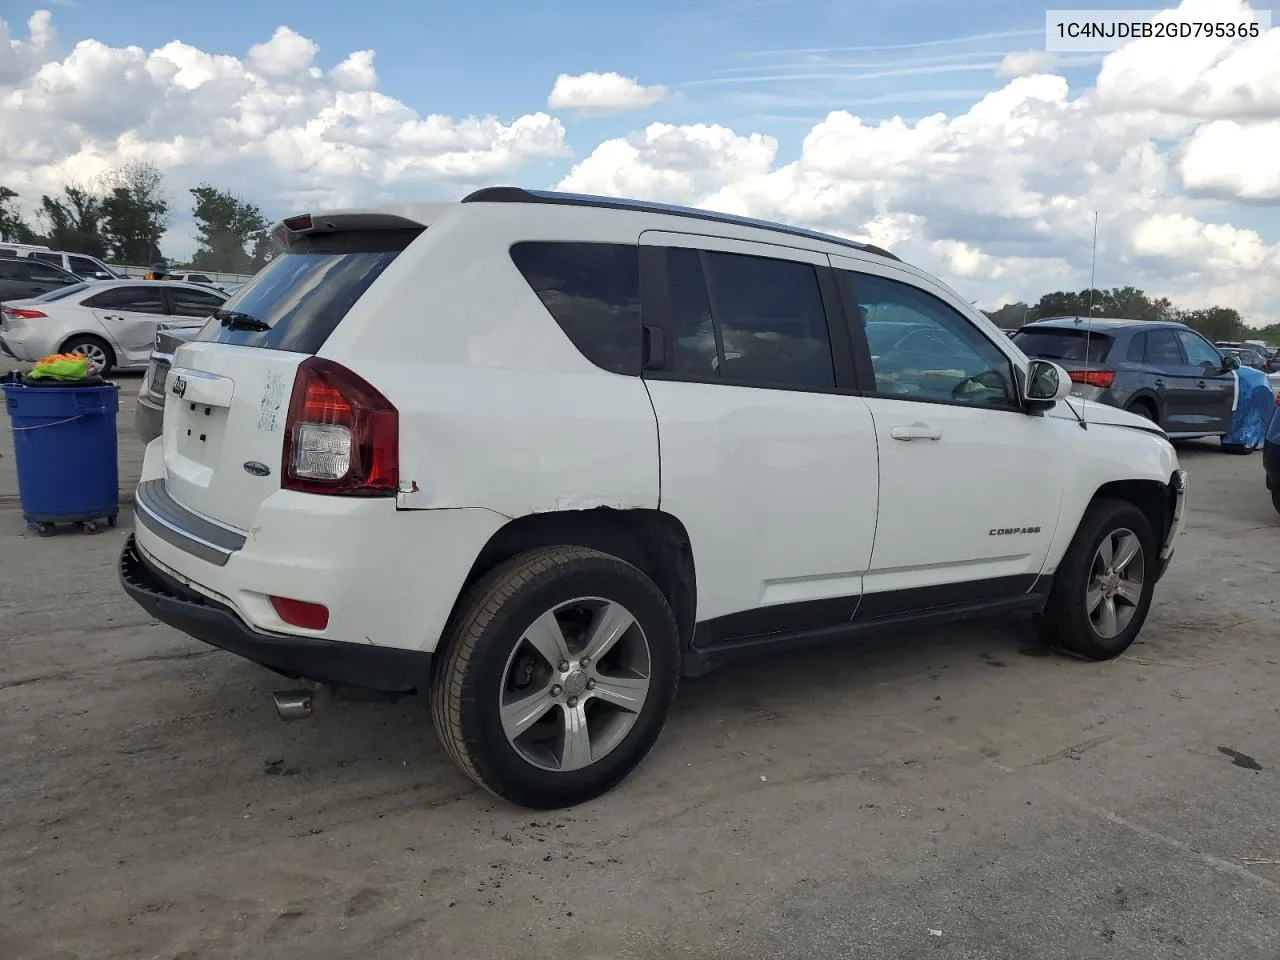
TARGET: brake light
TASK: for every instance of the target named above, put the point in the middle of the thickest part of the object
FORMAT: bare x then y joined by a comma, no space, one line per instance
299,223
1094,378
341,437
300,613
17,313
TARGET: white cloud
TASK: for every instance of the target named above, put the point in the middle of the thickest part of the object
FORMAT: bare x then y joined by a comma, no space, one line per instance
1234,160
1001,197
272,126
602,93
998,199
1025,63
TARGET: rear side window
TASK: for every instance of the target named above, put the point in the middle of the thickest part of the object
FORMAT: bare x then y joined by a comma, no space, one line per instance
1162,348
302,295
193,303
753,321
63,292
49,257
132,299
1085,346
593,292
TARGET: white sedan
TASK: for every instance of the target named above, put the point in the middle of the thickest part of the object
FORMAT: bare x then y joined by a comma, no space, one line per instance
113,323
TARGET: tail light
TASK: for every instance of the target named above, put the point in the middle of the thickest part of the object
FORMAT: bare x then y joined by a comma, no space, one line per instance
1094,378
301,613
17,313
342,437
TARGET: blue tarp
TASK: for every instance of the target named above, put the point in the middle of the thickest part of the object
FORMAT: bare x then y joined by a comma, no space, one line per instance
1255,406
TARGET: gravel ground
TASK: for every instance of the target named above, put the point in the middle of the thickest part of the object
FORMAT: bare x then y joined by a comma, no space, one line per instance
956,794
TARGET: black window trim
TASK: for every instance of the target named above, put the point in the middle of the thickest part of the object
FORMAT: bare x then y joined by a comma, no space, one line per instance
862,348
655,311
164,300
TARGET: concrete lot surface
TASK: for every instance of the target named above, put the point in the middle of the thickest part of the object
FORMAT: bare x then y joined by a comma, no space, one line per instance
949,795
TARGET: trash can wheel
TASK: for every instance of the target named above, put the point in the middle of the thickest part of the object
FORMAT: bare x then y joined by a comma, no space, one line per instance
111,521
90,526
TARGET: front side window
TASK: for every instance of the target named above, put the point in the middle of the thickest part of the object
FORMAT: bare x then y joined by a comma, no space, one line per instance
1199,351
84,267
924,349
753,321
593,292
43,273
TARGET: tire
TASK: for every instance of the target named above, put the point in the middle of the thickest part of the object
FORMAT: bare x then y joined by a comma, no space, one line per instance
1143,410
92,347
1070,621
489,661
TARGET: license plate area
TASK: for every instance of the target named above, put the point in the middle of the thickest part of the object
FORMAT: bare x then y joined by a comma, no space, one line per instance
201,429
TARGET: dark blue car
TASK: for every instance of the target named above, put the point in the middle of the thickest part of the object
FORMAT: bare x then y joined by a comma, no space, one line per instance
1271,456
1163,371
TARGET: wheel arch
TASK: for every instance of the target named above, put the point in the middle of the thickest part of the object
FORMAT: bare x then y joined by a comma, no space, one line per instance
1147,397
1152,497
655,542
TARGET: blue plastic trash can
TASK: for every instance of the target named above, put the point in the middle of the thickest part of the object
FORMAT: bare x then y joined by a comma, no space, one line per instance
64,446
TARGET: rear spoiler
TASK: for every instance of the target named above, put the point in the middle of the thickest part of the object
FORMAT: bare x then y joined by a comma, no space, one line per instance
414,217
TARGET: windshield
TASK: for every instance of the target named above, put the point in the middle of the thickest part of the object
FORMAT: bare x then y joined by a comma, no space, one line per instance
62,292
1085,346
301,296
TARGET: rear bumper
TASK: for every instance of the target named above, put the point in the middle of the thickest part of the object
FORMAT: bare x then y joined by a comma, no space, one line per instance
1271,462
389,577
148,419
325,661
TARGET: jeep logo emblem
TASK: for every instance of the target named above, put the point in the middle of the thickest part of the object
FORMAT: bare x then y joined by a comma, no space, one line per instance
179,387
256,469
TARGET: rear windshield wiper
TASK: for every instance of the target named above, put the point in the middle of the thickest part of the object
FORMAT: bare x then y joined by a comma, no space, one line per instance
241,321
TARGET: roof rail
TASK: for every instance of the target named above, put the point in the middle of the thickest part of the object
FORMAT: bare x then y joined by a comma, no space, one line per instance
521,195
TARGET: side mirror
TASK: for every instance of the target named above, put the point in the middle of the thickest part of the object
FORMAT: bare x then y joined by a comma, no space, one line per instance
1046,382
1230,362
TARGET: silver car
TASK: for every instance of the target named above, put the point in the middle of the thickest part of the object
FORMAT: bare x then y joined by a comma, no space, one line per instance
113,322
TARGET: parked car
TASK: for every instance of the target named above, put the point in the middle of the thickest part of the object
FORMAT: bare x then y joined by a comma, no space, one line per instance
81,264
112,322
22,278
1271,456
1248,356
149,414
1164,372
543,454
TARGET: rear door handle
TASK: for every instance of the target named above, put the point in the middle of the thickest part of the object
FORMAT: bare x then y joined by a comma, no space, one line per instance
915,431
1200,384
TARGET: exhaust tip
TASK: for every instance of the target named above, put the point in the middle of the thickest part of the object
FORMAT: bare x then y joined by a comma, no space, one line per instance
293,704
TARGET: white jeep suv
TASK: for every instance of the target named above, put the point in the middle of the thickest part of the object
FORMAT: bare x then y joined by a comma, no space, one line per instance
540,455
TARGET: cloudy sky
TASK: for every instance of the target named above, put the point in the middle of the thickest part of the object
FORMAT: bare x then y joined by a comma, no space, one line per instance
940,129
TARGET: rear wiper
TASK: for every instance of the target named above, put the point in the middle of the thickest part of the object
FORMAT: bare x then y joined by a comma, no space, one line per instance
241,321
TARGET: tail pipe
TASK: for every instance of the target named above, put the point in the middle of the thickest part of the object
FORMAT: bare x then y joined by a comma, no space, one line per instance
294,704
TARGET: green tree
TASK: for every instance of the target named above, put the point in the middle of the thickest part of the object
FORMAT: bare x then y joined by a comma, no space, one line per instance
1215,323
1010,316
12,227
74,223
135,213
227,226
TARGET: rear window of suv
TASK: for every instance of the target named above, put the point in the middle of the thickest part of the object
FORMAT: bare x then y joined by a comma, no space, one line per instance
1082,345
303,293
